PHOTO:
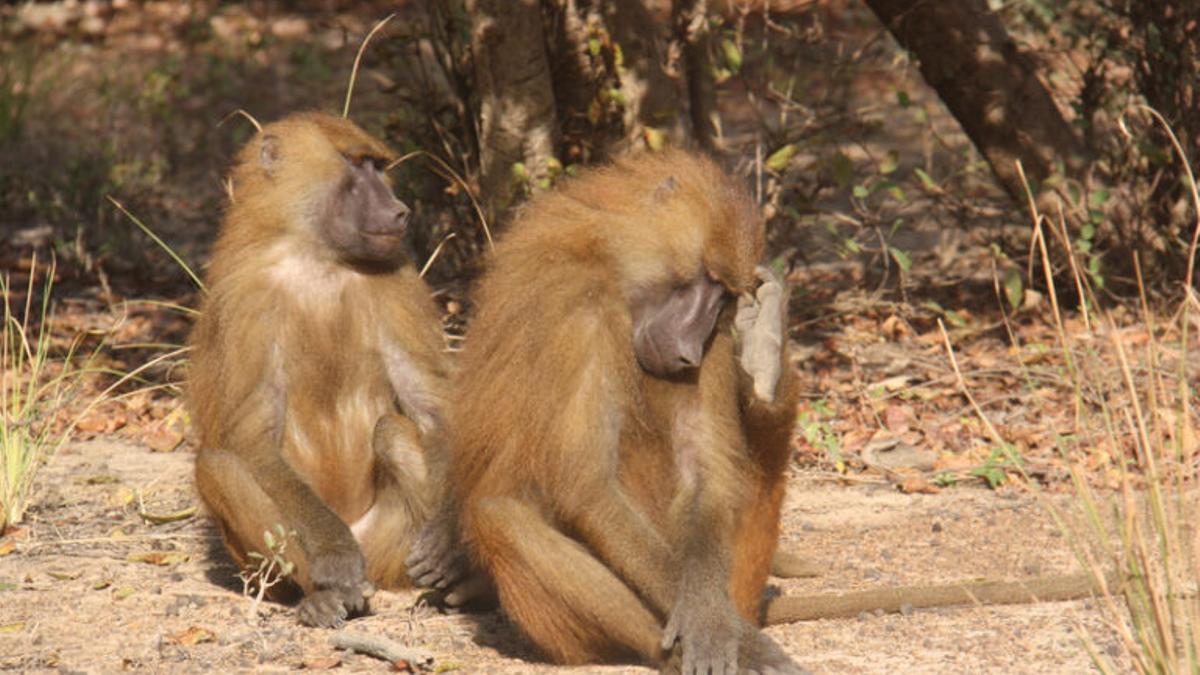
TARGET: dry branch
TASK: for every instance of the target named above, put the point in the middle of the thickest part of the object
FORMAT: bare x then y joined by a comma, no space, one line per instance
831,606
381,648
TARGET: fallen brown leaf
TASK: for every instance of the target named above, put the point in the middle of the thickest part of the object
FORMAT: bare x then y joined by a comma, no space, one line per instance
192,636
14,532
104,423
7,546
160,558
854,440
952,462
895,328
162,440
917,484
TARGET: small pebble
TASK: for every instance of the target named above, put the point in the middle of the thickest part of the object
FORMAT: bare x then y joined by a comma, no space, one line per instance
863,616
906,609
937,527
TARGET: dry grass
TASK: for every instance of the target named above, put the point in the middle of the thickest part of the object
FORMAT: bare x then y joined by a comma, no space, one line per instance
35,386
1139,399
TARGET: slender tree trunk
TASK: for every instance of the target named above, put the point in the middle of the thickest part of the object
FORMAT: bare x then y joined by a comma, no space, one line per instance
652,104
607,47
517,121
690,18
988,85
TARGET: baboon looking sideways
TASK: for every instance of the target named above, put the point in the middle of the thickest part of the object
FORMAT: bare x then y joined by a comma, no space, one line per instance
618,452
318,369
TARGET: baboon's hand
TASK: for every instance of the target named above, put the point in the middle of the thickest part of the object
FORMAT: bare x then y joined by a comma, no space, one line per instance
476,590
760,326
708,633
436,559
341,588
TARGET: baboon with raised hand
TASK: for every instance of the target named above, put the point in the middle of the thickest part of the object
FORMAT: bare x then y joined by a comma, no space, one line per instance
622,416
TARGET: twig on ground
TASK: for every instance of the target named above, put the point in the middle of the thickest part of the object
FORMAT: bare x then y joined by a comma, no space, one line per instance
381,648
905,598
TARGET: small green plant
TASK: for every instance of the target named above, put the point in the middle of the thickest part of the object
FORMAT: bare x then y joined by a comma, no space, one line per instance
819,433
993,470
269,570
945,479
35,386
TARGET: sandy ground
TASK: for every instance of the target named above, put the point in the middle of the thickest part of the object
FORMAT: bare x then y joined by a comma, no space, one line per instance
77,594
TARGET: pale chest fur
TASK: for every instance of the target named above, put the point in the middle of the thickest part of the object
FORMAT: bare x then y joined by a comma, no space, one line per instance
340,377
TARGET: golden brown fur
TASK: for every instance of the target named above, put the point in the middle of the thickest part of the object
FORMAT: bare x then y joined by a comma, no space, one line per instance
298,356
587,485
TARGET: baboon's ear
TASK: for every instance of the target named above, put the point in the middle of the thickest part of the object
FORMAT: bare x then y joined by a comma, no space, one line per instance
269,154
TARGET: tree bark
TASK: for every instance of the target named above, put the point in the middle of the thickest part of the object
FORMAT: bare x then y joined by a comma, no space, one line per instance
652,103
517,120
989,86
603,46
690,18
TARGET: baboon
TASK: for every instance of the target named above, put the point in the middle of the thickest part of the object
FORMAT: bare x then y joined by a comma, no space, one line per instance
318,368
621,419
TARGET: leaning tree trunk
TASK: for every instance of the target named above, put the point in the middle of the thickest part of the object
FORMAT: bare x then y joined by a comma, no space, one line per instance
517,121
988,85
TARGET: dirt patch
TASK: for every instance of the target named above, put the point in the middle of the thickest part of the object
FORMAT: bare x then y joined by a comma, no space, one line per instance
93,586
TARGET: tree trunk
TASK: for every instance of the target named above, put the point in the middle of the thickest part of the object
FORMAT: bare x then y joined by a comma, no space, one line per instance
652,104
988,85
612,90
690,18
517,121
